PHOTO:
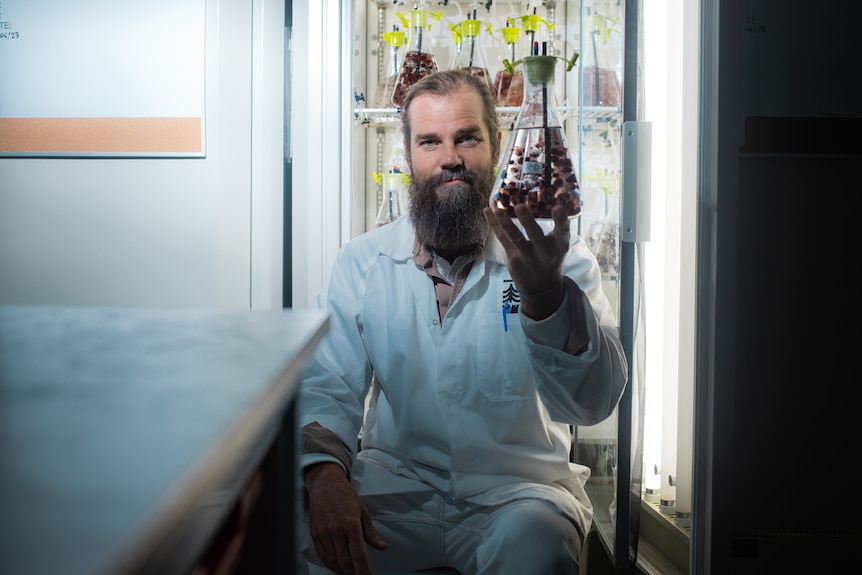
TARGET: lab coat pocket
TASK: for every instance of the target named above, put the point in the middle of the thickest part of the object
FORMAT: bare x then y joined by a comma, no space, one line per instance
503,366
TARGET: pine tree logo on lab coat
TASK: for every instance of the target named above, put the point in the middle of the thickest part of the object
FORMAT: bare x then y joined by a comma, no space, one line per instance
511,297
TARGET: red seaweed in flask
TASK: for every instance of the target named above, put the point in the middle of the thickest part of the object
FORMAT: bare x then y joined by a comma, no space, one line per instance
419,61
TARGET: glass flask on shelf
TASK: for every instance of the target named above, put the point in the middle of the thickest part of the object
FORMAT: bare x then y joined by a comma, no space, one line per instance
536,168
455,30
419,60
599,83
515,93
531,24
395,39
394,185
503,78
471,56
603,236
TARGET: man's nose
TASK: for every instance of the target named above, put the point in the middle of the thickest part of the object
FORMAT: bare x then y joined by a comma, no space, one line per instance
451,158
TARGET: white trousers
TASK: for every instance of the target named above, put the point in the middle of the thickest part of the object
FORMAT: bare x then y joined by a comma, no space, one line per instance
427,530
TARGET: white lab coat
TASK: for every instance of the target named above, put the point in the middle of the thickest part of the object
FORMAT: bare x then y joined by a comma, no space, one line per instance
472,407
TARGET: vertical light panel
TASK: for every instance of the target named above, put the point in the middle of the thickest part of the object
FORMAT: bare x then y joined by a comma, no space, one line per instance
689,136
658,370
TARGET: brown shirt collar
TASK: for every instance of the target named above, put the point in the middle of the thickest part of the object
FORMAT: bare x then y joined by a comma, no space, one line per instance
446,292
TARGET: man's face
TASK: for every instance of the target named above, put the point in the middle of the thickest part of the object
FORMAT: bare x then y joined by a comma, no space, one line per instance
452,170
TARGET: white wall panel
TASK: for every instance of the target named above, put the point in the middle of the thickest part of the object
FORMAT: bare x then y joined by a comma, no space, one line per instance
318,100
267,184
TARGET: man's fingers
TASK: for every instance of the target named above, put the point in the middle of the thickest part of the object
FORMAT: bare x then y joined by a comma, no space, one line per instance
346,563
505,229
561,223
528,222
370,533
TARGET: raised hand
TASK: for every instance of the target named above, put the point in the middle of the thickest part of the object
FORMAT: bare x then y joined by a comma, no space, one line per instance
535,259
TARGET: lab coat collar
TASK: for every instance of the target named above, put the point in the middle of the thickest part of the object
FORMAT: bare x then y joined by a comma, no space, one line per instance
398,245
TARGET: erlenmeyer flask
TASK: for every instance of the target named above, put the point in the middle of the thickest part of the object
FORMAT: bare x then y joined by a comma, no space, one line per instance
395,39
531,23
503,79
536,168
455,30
393,184
599,83
603,236
515,93
471,56
419,61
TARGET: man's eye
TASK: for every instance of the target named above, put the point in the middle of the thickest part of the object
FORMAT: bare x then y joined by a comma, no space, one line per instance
469,139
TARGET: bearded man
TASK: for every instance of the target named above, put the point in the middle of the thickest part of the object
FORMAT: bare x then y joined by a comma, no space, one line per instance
462,347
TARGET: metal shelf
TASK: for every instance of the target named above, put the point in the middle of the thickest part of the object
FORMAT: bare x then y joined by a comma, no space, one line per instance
391,117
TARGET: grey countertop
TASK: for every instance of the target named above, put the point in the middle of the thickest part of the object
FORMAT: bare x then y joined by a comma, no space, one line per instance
122,429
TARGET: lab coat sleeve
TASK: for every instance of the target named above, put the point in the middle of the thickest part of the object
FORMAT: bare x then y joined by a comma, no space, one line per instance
336,378
581,389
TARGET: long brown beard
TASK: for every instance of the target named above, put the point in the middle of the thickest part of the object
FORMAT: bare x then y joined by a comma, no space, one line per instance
451,220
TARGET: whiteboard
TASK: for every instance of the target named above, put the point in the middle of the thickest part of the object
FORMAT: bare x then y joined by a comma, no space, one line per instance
102,78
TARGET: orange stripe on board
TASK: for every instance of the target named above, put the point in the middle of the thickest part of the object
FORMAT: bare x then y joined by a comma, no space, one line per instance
95,135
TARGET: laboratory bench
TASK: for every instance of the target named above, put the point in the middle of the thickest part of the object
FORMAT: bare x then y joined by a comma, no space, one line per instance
150,441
